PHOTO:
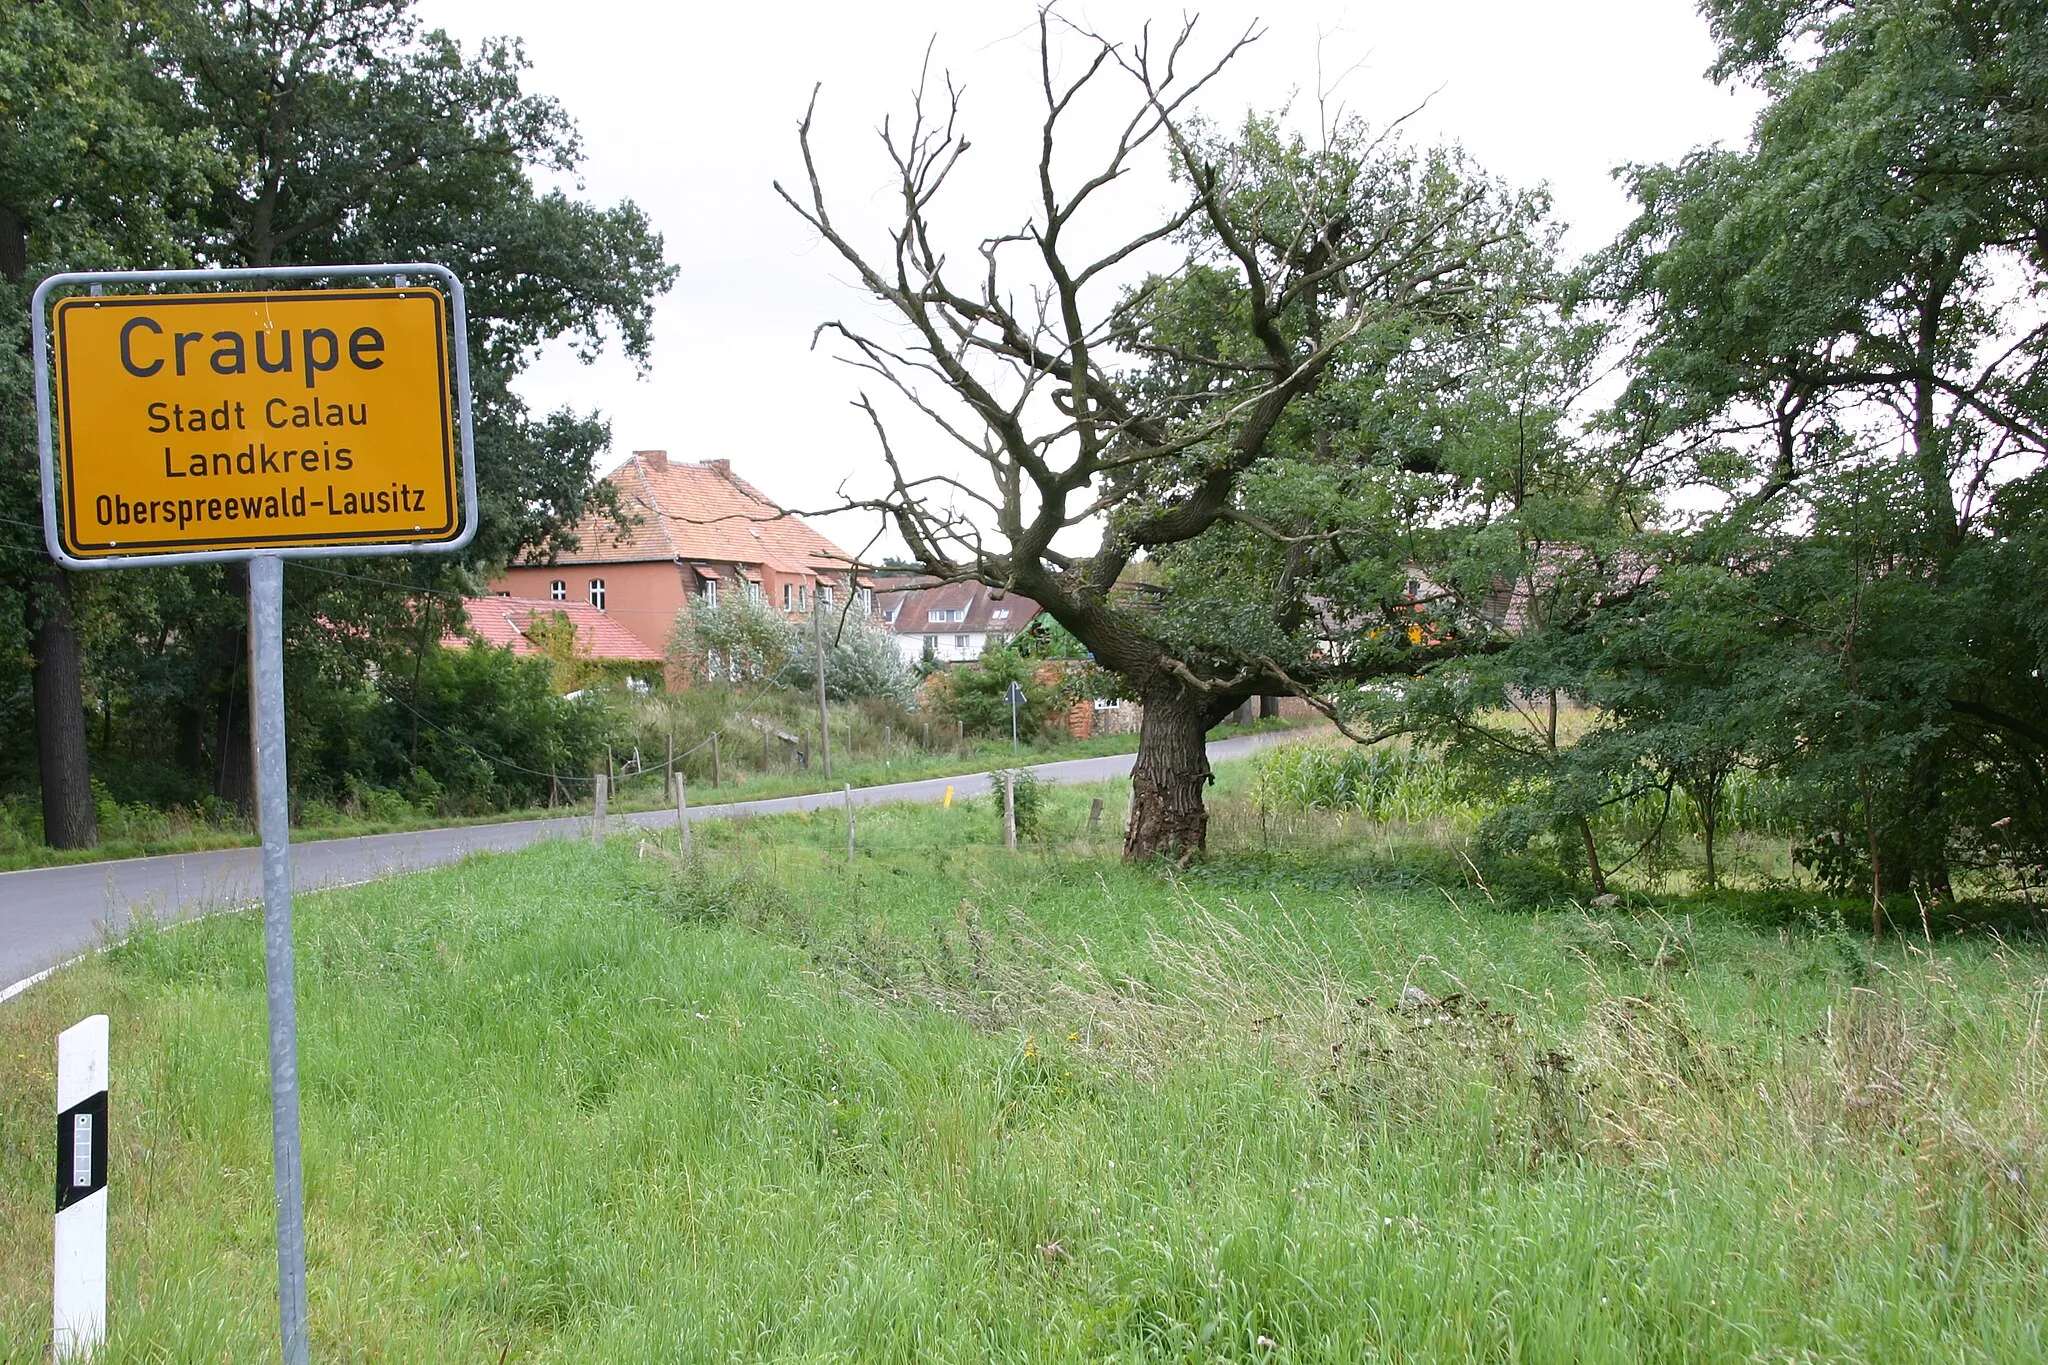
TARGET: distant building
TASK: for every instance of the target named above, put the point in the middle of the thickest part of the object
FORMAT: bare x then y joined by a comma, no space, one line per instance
950,622
693,532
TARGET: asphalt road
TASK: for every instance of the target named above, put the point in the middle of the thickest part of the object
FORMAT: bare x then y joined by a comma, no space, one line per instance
51,914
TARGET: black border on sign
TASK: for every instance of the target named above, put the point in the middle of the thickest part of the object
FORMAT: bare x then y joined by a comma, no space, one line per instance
68,1194
445,532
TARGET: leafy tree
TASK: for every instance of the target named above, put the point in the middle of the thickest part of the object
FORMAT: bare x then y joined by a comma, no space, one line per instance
1841,340
742,638
90,176
1301,278
338,131
861,661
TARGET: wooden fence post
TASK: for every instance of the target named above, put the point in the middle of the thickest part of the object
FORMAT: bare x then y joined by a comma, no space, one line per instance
1010,811
668,774
683,817
849,824
604,789
714,759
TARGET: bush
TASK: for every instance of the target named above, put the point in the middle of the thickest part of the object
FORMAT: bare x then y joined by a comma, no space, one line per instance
1028,796
977,694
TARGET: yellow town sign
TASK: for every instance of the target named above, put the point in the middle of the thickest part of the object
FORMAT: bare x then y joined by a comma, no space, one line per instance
220,422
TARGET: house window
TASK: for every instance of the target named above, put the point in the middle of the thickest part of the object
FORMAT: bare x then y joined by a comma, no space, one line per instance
999,614
711,592
997,639
803,597
825,596
946,614
931,646
788,596
1414,588
501,593
960,643
558,591
597,593
867,601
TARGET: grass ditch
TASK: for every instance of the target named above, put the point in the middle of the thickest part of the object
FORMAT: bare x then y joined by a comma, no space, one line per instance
595,1104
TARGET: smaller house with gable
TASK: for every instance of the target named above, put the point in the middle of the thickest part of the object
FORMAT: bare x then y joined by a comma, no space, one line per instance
950,623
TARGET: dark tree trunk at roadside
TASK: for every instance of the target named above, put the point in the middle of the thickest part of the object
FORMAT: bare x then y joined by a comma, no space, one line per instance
68,819
1169,774
234,778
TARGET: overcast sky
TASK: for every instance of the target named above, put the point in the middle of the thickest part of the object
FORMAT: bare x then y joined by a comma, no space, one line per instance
690,111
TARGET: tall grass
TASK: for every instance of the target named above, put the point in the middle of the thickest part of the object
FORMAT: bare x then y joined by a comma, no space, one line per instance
611,1104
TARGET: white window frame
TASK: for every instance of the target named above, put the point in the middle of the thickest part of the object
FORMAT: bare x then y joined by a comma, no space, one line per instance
597,593
558,590
710,593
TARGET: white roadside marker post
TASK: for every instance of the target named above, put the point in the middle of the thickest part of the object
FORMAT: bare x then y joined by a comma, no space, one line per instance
1010,811
597,816
683,816
79,1285
849,824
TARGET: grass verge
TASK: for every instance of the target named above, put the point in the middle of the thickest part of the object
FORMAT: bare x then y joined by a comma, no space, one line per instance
583,1104
636,792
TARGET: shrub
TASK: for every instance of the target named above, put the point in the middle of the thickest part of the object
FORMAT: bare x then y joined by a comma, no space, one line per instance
1028,795
977,694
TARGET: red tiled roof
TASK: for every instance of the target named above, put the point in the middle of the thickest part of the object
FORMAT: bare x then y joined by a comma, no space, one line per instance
503,621
700,513
908,611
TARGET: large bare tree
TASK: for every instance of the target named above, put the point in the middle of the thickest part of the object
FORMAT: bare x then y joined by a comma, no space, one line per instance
1135,388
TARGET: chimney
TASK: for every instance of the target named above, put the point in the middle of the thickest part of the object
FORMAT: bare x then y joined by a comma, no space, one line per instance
721,466
656,459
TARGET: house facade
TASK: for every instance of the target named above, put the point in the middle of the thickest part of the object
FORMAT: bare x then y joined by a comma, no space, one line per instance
950,622
691,532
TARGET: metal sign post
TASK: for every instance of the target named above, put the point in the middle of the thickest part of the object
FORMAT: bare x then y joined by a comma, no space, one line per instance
1016,696
208,425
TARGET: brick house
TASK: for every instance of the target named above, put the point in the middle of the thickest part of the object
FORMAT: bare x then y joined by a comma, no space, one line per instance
695,531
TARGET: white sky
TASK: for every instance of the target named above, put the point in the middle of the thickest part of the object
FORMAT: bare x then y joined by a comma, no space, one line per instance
690,111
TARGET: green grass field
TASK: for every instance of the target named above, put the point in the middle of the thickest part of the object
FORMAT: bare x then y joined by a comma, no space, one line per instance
582,1104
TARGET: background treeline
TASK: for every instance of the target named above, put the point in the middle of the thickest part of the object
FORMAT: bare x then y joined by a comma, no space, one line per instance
1749,504
172,133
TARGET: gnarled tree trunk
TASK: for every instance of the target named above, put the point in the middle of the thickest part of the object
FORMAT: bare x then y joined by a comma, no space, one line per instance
1168,776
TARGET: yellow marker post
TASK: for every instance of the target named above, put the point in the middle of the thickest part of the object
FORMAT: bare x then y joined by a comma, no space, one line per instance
949,796
194,423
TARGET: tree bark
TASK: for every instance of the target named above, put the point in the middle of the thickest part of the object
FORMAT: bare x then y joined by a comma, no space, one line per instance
1168,775
234,778
1593,869
68,817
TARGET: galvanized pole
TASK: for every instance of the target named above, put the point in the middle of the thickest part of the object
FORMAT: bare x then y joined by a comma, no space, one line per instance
668,773
849,823
273,812
824,720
